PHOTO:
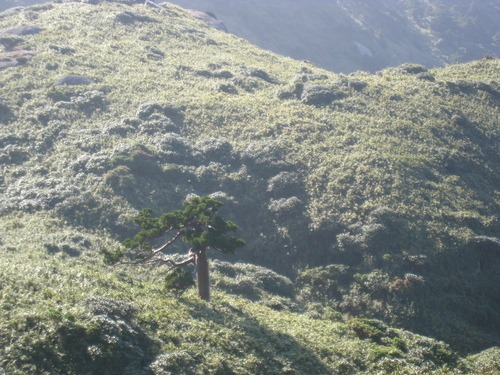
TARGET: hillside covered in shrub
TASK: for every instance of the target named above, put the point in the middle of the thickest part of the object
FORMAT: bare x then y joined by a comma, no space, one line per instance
369,202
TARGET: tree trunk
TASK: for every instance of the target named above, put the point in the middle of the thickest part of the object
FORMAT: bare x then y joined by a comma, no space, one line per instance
202,275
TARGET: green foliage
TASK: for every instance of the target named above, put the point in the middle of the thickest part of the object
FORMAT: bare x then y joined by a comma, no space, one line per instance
324,283
197,224
368,329
251,281
140,160
486,362
61,314
307,186
178,280
10,41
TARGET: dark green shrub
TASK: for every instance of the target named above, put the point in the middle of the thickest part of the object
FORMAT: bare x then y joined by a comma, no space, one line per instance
96,163
377,283
258,73
68,249
226,88
382,233
222,74
141,161
487,362
324,284
10,41
172,148
356,84
284,184
178,280
13,155
413,68
121,180
285,94
426,76
181,362
318,95
214,149
107,340
265,158
370,329
6,114
251,281
159,124
63,50
146,110
90,101
285,208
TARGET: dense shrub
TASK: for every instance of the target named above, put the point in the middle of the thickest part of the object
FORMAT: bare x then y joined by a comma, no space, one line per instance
177,281
179,362
140,159
284,184
413,68
370,329
285,208
10,41
173,148
226,88
121,180
426,76
356,84
324,284
318,95
63,50
258,73
487,361
34,193
214,149
90,101
13,155
146,110
382,232
251,281
6,114
264,158
69,249
159,124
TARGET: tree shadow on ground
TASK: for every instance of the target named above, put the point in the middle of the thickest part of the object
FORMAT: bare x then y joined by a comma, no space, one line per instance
273,352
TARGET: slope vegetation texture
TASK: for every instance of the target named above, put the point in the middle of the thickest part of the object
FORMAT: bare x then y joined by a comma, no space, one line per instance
369,203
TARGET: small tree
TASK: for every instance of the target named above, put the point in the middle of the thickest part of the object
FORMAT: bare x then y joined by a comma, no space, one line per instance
197,224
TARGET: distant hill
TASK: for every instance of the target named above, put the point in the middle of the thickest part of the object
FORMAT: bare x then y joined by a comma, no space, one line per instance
374,196
346,35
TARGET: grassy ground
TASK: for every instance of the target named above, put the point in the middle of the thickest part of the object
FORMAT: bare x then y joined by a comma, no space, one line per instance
369,171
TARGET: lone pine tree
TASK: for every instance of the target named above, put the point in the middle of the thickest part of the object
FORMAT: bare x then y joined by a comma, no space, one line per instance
197,224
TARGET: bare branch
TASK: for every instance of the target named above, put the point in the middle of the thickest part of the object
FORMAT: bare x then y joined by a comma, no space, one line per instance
178,264
165,245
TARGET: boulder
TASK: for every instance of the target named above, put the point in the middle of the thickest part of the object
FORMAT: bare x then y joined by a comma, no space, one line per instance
208,18
127,17
73,80
23,30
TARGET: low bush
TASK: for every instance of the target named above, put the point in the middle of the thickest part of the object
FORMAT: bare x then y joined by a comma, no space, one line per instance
318,95
140,159
226,88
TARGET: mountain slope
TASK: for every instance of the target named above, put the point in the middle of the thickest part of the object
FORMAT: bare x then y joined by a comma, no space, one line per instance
345,36
348,35
387,184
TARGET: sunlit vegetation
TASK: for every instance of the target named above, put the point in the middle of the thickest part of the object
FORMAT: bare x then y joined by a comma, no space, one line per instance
361,195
